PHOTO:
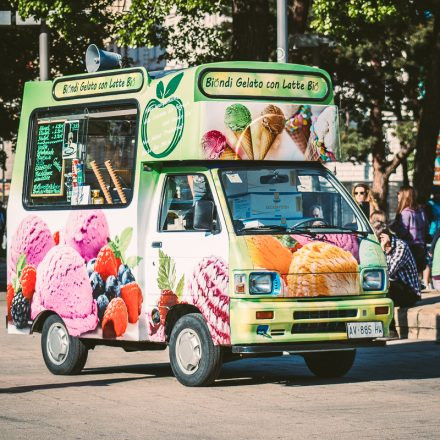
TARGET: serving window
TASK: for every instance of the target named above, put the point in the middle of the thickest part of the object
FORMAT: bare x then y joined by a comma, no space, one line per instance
83,156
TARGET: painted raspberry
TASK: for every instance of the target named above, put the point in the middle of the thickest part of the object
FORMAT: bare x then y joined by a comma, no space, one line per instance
9,297
209,293
167,300
27,280
106,264
131,293
56,237
115,320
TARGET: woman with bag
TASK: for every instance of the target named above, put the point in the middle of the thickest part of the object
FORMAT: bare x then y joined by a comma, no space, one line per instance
410,225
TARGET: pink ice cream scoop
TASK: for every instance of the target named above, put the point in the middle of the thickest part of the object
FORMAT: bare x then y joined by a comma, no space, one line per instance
86,232
33,239
64,287
213,143
208,291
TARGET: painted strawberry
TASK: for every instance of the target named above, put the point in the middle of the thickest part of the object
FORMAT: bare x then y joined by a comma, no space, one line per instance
131,293
106,264
166,281
56,237
27,280
9,297
167,300
115,320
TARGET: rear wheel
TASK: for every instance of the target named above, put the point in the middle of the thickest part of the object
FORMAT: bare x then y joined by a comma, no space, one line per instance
330,363
194,359
62,353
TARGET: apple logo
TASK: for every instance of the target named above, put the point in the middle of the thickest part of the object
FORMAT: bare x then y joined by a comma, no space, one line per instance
163,121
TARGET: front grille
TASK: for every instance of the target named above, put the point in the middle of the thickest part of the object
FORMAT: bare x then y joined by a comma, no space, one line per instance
319,327
325,314
277,332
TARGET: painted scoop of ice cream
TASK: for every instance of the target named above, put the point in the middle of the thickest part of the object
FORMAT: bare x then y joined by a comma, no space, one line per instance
213,143
237,121
64,287
266,130
322,269
33,239
86,231
208,291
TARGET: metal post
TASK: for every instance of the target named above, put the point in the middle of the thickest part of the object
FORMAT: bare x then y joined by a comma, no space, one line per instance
44,52
282,53
3,173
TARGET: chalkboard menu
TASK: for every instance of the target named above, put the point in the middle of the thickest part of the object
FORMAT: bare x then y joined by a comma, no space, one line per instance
48,179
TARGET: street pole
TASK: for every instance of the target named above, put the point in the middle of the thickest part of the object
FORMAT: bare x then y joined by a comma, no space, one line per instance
44,51
282,53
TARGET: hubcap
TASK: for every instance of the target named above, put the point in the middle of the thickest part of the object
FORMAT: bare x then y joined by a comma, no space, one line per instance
57,343
188,351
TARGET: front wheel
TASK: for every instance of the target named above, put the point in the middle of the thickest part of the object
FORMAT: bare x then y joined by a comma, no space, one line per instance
194,359
62,353
331,363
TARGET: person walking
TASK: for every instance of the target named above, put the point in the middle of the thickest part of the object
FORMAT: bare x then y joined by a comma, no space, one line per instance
411,226
404,287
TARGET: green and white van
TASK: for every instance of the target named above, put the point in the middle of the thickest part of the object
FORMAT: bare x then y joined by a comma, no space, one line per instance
190,210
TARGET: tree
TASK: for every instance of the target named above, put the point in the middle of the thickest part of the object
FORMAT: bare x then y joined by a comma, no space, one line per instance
373,64
73,26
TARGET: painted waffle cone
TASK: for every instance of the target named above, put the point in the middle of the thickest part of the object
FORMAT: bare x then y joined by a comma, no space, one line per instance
244,142
265,142
312,152
299,139
229,154
322,269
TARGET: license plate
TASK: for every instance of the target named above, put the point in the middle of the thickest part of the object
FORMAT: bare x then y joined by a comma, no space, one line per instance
359,330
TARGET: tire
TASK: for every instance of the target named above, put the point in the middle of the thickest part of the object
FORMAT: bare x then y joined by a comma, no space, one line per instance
194,359
331,363
62,353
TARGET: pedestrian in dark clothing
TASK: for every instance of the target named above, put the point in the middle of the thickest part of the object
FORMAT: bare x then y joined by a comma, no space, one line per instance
404,280
2,222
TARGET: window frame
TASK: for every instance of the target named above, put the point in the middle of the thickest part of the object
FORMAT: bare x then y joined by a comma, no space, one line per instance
26,195
161,204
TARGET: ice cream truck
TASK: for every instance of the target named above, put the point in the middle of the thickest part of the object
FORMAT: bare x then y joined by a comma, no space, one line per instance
190,210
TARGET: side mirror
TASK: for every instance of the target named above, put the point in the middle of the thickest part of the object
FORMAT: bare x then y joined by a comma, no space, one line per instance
204,215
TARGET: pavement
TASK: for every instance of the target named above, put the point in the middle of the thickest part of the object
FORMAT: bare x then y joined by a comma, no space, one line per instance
420,322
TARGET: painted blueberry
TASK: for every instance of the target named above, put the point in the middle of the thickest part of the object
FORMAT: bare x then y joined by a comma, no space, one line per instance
112,287
91,266
102,306
125,275
97,284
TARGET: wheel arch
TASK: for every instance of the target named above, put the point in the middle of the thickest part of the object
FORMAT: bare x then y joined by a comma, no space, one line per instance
175,313
37,324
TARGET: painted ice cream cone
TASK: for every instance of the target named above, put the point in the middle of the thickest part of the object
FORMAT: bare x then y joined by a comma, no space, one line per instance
214,144
229,154
298,127
237,120
312,152
324,135
268,128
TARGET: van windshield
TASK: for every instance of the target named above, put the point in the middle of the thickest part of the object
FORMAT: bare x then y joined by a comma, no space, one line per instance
274,200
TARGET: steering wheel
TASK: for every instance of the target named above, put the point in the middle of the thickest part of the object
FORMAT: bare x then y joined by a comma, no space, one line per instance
310,220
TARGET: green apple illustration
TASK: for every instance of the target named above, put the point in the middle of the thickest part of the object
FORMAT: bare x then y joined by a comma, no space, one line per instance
161,113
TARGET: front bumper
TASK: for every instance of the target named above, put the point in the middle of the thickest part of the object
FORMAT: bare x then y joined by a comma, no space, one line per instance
302,321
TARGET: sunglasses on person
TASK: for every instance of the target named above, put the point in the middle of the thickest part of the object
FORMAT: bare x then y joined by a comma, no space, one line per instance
359,193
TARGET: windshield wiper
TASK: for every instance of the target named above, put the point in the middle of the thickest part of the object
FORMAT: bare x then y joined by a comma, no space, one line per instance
265,227
341,229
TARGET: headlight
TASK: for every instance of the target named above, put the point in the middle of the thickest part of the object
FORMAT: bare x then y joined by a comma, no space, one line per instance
264,283
373,280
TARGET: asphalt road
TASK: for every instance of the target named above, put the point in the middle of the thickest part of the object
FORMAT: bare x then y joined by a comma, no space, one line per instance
390,393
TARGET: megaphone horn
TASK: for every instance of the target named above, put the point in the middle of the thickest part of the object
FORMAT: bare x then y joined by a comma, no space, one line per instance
97,59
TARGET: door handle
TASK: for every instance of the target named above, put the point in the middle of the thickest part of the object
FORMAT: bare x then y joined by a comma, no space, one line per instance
156,244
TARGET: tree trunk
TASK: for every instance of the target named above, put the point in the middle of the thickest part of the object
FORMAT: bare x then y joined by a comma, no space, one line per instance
297,14
252,28
429,125
380,180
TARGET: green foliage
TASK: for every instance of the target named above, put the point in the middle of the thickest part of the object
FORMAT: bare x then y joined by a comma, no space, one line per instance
166,277
355,147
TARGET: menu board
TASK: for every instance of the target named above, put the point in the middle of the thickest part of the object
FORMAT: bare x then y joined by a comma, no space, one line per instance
48,179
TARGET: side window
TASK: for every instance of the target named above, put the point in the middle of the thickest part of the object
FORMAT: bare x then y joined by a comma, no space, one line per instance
82,156
178,200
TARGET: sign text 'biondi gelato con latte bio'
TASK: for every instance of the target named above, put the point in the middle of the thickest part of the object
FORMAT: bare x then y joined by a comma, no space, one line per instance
264,84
